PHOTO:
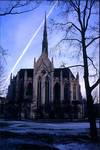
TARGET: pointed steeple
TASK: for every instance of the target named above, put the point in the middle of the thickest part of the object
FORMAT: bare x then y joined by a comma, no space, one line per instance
77,76
45,41
10,77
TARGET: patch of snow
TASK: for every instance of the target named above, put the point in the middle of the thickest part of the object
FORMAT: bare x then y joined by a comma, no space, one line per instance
78,146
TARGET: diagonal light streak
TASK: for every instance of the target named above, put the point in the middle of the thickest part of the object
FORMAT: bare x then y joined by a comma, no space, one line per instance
30,41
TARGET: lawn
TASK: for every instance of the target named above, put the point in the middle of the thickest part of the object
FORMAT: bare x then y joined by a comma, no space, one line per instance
29,135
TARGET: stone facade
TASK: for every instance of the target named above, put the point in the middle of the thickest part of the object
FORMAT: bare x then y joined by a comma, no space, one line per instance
45,91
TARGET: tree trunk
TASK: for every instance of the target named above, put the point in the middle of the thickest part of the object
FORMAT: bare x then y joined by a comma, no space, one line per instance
91,115
90,106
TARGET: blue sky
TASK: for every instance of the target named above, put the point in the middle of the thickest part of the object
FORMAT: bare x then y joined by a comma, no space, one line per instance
17,30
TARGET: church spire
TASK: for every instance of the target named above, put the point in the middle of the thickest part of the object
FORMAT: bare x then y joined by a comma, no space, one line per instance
45,41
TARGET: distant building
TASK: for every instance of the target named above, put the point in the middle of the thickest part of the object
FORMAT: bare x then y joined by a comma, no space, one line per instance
97,110
2,106
45,91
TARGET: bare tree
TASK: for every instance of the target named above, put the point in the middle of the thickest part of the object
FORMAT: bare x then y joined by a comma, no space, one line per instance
81,30
17,7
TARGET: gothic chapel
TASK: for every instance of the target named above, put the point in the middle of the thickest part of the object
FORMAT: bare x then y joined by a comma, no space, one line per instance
45,91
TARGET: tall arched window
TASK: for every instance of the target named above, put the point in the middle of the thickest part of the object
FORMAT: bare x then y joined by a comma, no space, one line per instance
29,89
47,89
57,96
39,93
74,92
66,93
47,93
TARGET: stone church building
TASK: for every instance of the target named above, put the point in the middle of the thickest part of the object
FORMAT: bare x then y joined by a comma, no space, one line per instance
45,91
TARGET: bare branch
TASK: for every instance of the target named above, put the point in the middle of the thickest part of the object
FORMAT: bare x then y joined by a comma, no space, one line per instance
72,66
65,39
73,5
16,13
18,5
75,66
95,84
98,37
90,9
79,17
93,75
11,9
64,24
92,63
21,5
74,26
85,13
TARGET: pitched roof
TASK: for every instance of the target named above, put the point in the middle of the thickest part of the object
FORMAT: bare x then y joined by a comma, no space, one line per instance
65,73
29,72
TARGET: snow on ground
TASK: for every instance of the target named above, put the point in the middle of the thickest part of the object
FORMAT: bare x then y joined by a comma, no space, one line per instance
78,146
51,128
61,136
